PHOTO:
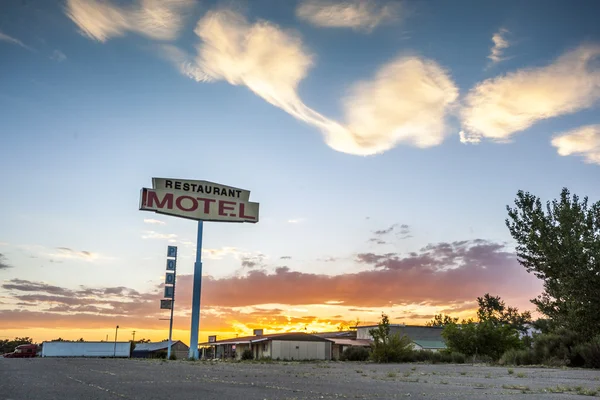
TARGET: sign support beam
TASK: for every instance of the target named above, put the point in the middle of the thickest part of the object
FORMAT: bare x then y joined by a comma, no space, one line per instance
171,322
197,291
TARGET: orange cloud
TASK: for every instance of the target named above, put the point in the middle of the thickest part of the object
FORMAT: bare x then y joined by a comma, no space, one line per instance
442,277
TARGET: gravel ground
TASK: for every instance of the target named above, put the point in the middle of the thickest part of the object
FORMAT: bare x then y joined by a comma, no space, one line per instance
63,378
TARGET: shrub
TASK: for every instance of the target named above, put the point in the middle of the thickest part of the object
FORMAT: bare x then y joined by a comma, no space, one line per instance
355,353
173,357
247,355
458,358
395,349
558,348
518,357
590,353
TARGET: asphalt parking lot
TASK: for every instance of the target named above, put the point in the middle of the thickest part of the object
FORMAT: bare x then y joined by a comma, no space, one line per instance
53,378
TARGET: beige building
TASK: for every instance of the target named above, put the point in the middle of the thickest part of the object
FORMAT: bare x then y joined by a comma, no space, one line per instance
277,346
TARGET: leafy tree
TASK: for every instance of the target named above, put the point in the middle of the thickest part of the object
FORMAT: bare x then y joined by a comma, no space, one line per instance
494,310
387,347
560,244
8,346
440,320
495,332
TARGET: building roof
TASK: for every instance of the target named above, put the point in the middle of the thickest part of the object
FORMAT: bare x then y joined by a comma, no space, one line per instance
155,346
336,334
295,336
430,344
351,342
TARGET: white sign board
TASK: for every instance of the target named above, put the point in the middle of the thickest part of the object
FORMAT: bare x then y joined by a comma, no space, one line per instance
201,188
198,207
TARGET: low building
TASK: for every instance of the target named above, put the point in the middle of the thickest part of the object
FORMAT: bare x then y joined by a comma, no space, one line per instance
159,349
342,340
422,337
277,346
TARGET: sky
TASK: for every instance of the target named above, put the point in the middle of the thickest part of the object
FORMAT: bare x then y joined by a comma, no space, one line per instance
382,139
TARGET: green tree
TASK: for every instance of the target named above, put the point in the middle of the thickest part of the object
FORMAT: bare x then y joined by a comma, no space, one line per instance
560,244
493,309
8,346
387,347
440,320
495,331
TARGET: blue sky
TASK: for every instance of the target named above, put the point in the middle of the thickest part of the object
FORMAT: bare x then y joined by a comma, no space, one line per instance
341,117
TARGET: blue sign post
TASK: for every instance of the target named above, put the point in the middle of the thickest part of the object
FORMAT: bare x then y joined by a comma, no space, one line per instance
197,291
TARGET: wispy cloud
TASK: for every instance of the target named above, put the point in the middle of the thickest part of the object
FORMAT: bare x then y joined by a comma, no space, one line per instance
6,38
58,56
402,231
3,263
295,220
66,252
500,44
583,141
102,20
405,102
153,221
497,108
157,235
357,14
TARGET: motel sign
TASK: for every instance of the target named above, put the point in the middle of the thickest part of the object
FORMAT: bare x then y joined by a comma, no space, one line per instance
200,201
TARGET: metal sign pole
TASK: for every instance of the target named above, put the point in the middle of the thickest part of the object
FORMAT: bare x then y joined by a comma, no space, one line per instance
171,321
197,288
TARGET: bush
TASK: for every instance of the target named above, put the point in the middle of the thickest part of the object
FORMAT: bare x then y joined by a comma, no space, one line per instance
458,358
518,357
396,349
173,356
247,355
590,353
355,353
557,349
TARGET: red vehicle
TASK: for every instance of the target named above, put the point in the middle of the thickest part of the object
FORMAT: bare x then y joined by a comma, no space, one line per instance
23,351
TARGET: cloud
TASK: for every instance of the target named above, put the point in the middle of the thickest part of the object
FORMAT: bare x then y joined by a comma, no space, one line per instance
65,252
295,221
438,274
583,141
285,257
253,261
154,221
405,102
217,254
441,275
3,263
102,20
362,15
497,108
402,232
157,235
500,44
6,38
58,56
382,232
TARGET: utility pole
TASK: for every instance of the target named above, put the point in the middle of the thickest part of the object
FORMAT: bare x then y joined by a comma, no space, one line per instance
115,349
133,333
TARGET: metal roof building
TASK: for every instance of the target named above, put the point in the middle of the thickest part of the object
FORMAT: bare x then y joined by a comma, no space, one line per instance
159,349
282,346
